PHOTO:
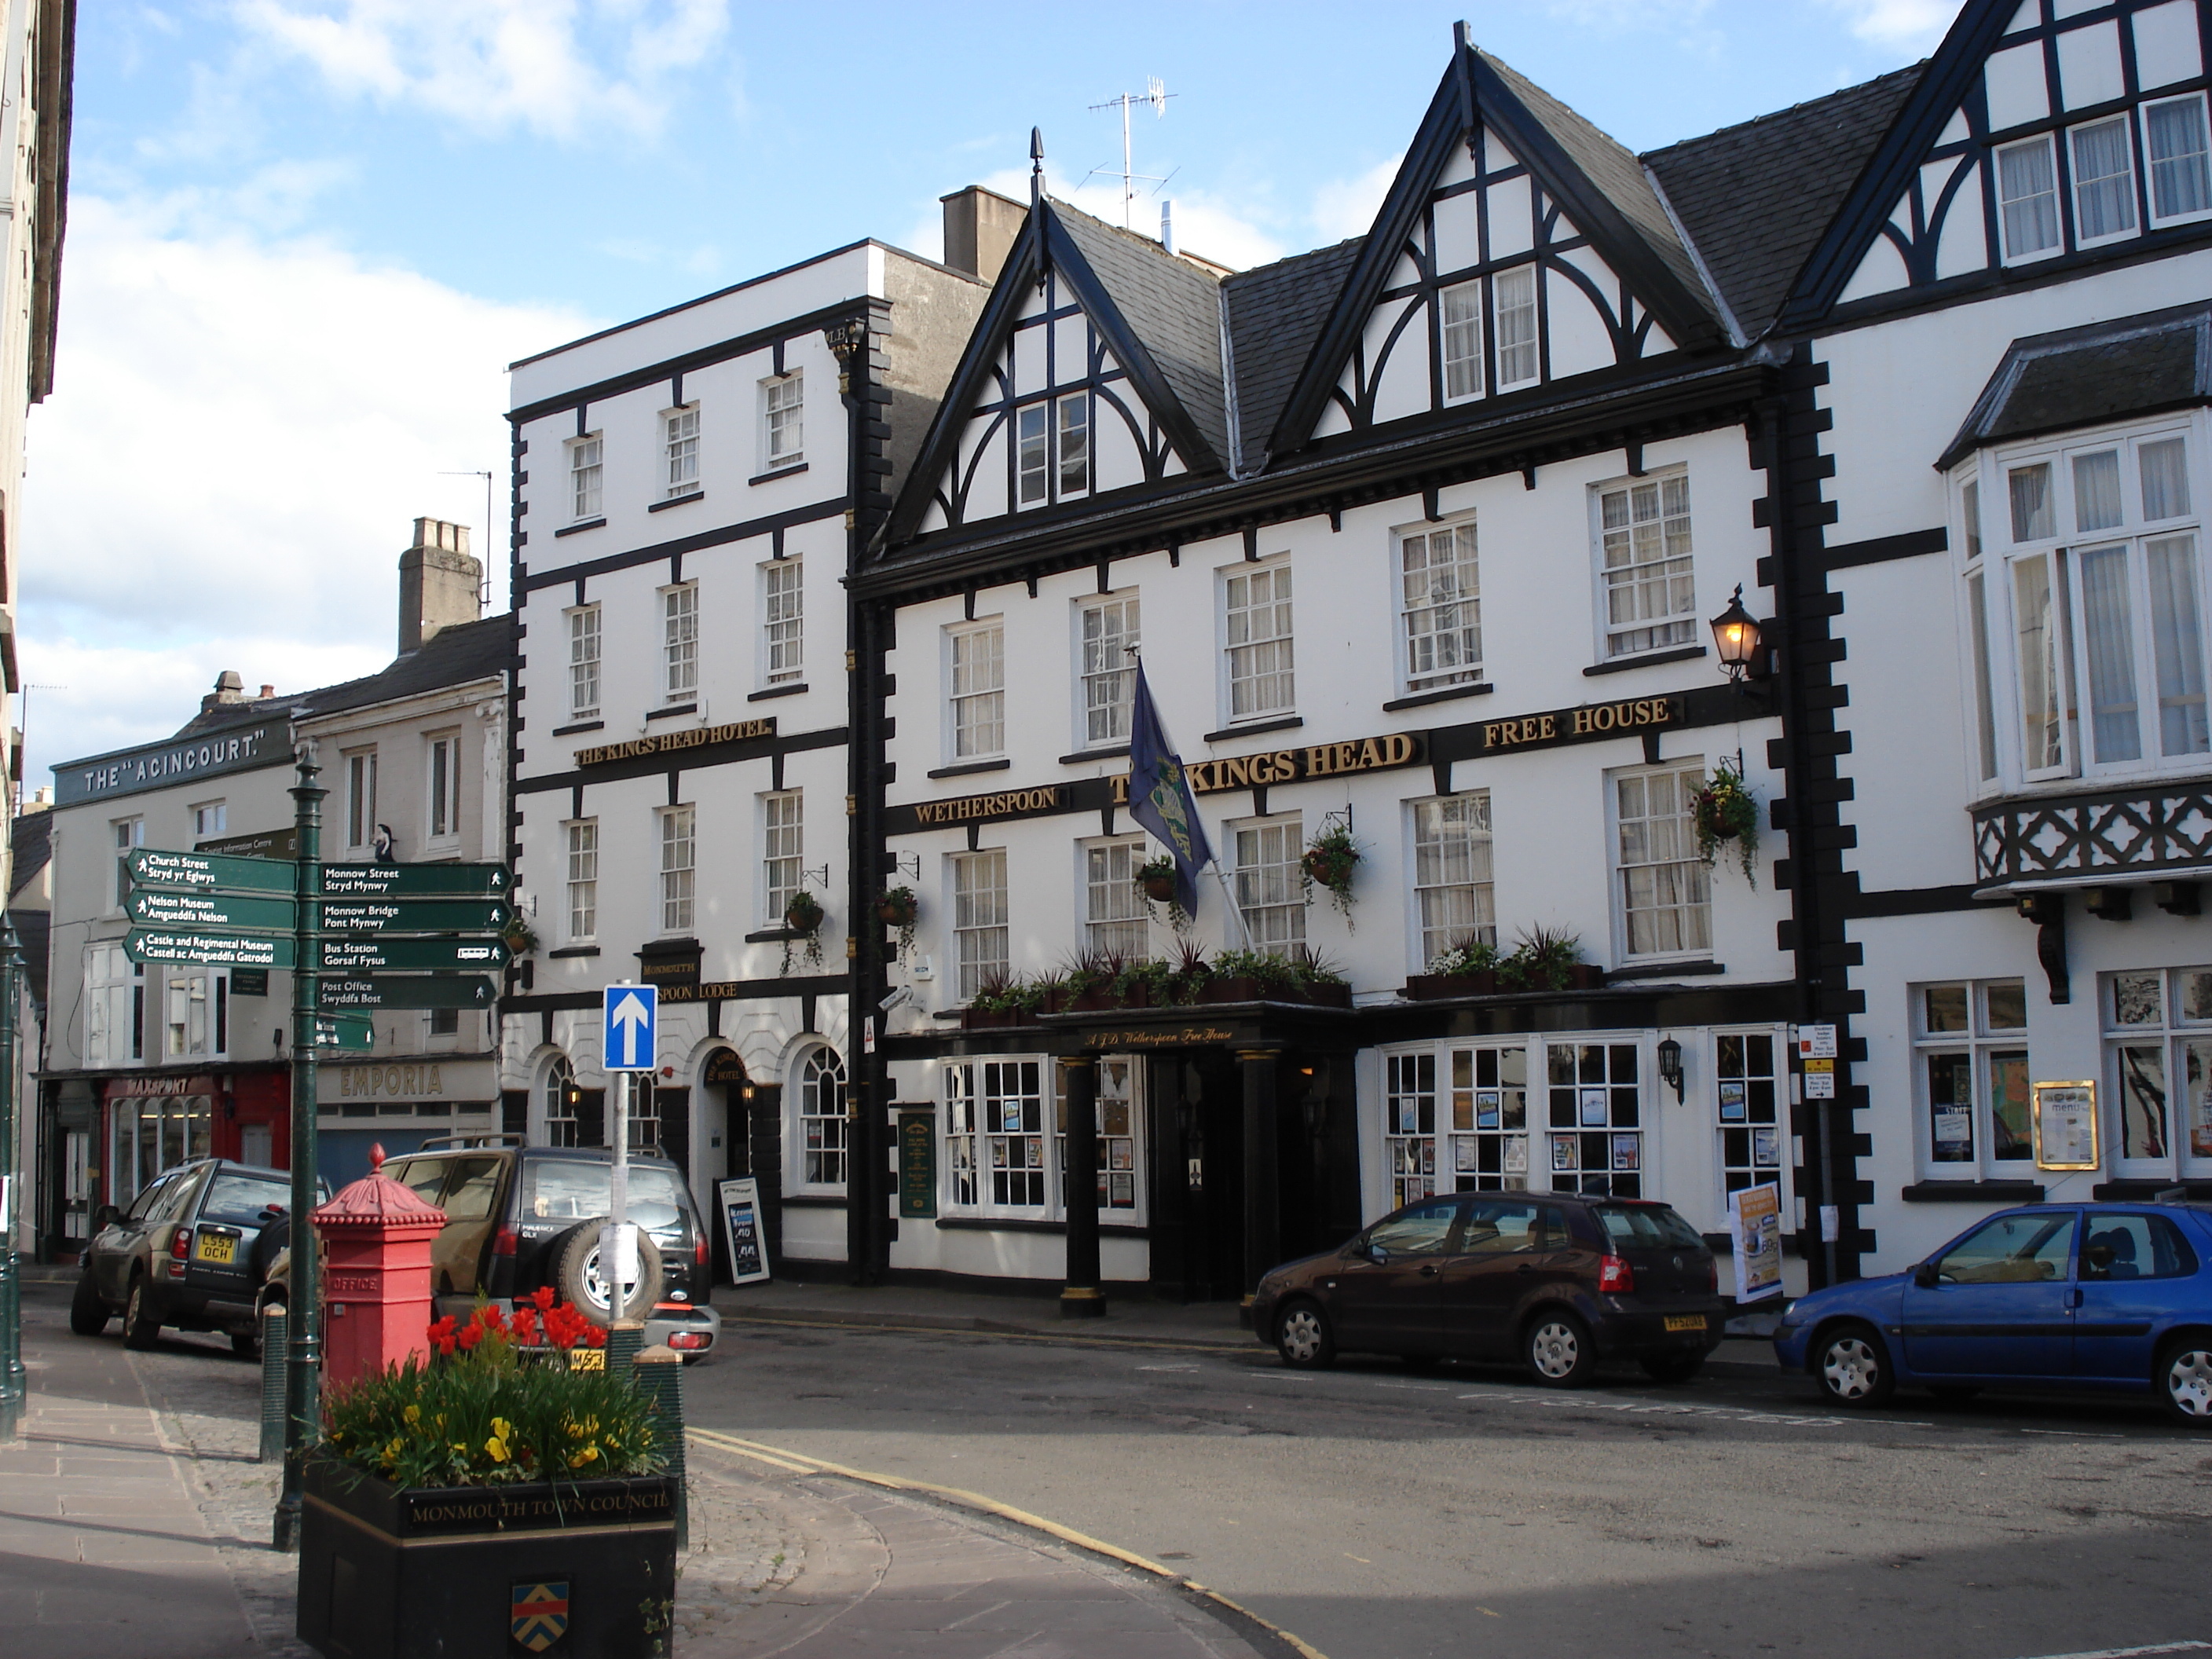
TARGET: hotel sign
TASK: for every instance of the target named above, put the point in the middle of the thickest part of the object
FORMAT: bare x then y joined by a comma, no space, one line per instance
670,743
1320,760
182,760
1588,722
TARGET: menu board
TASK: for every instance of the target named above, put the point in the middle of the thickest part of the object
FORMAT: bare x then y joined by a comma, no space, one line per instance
2066,1126
739,1201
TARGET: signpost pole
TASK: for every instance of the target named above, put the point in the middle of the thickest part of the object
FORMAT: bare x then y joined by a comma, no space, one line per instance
13,1380
303,1375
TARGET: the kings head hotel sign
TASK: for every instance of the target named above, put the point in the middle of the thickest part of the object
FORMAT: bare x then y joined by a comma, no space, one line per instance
180,760
669,742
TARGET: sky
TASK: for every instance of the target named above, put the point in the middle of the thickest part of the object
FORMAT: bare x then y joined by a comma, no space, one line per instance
306,237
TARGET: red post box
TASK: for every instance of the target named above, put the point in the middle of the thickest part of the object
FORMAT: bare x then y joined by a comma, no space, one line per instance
376,1241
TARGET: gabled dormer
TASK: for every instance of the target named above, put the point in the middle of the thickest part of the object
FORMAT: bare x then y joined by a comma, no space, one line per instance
1519,246
2044,134
1096,368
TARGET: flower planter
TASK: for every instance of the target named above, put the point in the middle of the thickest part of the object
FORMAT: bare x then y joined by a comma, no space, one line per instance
1433,987
1585,976
896,915
1161,890
1324,996
387,1572
1237,989
985,1019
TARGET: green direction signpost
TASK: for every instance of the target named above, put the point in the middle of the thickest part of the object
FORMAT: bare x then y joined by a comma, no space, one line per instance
214,947
414,915
429,991
361,955
416,880
157,907
205,872
349,1033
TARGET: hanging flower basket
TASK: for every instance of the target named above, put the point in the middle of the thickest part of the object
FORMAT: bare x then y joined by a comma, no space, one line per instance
517,936
1329,861
1724,809
898,908
802,919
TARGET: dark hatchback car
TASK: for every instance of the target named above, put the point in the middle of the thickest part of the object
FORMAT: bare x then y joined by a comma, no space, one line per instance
519,1217
190,1253
1559,1281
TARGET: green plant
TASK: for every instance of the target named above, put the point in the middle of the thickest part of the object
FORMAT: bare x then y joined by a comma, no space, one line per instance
1540,959
1316,971
479,1415
1155,879
1272,972
1002,993
802,919
519,938
1469,956
1191,971
898,908
1330,859
1724,809
1155,979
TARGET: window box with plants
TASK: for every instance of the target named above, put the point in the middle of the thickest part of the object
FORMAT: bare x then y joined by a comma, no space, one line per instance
489,1502
1542,959
1257,976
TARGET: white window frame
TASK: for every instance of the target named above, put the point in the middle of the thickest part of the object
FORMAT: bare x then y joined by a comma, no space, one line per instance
783,420
1000,1111
821,1146
115,989
783,622
125,835
1676,627
360,799
982,938
976,690
1032,454
1072,446
1120,1104
1050,436
1751,1112
2181,1033
190,1034
1256,667
579,848
586,678
559,1126
1507,321
679,643
1265,857
1430,870
441,791
677,838
679,453
2160,221
1459,341
1107,627
586,458
2048,144
1113,920
1439,622
1696,906
783,851
209,818
2075,184
1979,620
1996,1054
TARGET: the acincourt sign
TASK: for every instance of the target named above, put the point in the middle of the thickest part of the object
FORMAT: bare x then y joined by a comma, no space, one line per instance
158,765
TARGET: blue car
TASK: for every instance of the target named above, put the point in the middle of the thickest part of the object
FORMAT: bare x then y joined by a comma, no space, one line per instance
2115,1298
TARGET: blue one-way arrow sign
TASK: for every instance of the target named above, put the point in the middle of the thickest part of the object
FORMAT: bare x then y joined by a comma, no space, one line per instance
626,1030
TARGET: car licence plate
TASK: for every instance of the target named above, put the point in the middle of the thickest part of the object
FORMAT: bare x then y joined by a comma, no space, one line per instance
1685,1321
587,1359
214,1246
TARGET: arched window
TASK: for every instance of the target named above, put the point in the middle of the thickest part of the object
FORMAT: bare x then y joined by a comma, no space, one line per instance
561,1103
822,1118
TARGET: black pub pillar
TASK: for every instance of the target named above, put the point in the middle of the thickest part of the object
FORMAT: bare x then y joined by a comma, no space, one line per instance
1084,1297
1262,1219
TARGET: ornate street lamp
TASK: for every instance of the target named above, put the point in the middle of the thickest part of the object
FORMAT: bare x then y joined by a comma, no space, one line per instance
1736,638
1670,1066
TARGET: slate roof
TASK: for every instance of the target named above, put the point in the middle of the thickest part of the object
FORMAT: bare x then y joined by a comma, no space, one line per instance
30,846
1615,170
2099,372
252,711
1171,306
453,656
1755,198
1275,312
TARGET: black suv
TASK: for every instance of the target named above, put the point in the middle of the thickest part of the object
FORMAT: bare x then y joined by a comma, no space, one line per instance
1559,1281
191,1252
519,1217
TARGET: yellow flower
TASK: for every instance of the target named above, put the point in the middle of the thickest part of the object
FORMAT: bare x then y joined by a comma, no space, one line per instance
413,1413
495,1448
392,1452
589,1455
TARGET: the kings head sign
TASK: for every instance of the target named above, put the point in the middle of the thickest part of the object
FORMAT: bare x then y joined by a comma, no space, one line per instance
180,760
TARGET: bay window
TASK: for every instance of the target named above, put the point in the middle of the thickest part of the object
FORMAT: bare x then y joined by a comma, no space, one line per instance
2158,1072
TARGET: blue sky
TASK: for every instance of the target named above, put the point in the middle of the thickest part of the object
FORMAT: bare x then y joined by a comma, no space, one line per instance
307,235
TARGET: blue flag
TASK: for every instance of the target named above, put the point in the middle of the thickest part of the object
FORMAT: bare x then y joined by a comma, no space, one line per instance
1160,798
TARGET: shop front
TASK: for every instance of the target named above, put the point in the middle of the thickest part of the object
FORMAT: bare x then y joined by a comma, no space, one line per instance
153,1121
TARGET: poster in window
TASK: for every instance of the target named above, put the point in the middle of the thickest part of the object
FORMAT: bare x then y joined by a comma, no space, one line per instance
739,1200
1486,1108
1628,1151
1463,1147
2197,1104
1563,1151
1516,1155
1123,1194
1593,1108
2066,1126
1732,1102
1118,1154
1755,1227
1954,1133
1766,1148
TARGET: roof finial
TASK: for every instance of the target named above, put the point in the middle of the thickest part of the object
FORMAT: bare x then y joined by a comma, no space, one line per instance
1037,165
1463,71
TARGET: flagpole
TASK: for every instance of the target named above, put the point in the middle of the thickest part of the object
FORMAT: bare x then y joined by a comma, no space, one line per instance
1229,898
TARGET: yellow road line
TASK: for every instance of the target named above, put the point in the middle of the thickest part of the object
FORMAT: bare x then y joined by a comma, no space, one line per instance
1010,1335
804,1463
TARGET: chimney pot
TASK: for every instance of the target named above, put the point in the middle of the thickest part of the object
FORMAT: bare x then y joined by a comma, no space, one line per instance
440,583
980,230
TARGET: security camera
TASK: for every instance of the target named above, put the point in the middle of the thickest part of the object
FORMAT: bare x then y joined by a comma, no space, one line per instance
900,996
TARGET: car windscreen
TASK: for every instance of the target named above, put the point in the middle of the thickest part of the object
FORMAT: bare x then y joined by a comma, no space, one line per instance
243,1199
576,1189
1646,1226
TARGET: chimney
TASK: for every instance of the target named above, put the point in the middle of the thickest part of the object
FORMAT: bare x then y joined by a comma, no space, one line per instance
1167,226
979,229
268,690
440,583
228,688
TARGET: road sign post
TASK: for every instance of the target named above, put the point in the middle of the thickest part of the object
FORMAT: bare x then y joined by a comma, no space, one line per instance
14,1380
303,1380
628,1039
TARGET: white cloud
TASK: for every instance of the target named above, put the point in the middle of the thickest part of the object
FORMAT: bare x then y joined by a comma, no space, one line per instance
241,432
1346,207
1905,25
556,67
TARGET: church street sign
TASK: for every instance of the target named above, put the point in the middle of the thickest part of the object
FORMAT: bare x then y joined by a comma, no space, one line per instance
209,872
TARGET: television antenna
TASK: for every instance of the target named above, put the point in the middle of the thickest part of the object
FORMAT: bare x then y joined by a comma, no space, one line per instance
1156,95
483,587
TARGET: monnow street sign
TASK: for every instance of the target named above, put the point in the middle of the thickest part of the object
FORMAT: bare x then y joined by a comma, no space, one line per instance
416,880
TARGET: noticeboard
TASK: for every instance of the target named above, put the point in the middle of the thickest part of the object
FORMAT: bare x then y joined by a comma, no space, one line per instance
917,1162
739,1200
1755,1229
2065,1122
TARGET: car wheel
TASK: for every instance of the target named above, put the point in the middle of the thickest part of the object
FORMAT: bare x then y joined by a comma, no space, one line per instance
1303,1339
89,1314
2184,1381
142,1326
1558,1352
581,1282
1852,1367
1673,1367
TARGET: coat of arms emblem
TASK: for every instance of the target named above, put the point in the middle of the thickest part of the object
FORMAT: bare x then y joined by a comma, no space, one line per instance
539,1615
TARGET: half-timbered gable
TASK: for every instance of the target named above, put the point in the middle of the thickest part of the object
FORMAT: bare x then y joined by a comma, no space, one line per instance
2044,134
1097,368
1518,246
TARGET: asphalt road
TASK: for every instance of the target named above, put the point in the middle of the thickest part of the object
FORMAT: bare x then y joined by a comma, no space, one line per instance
1382,1513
